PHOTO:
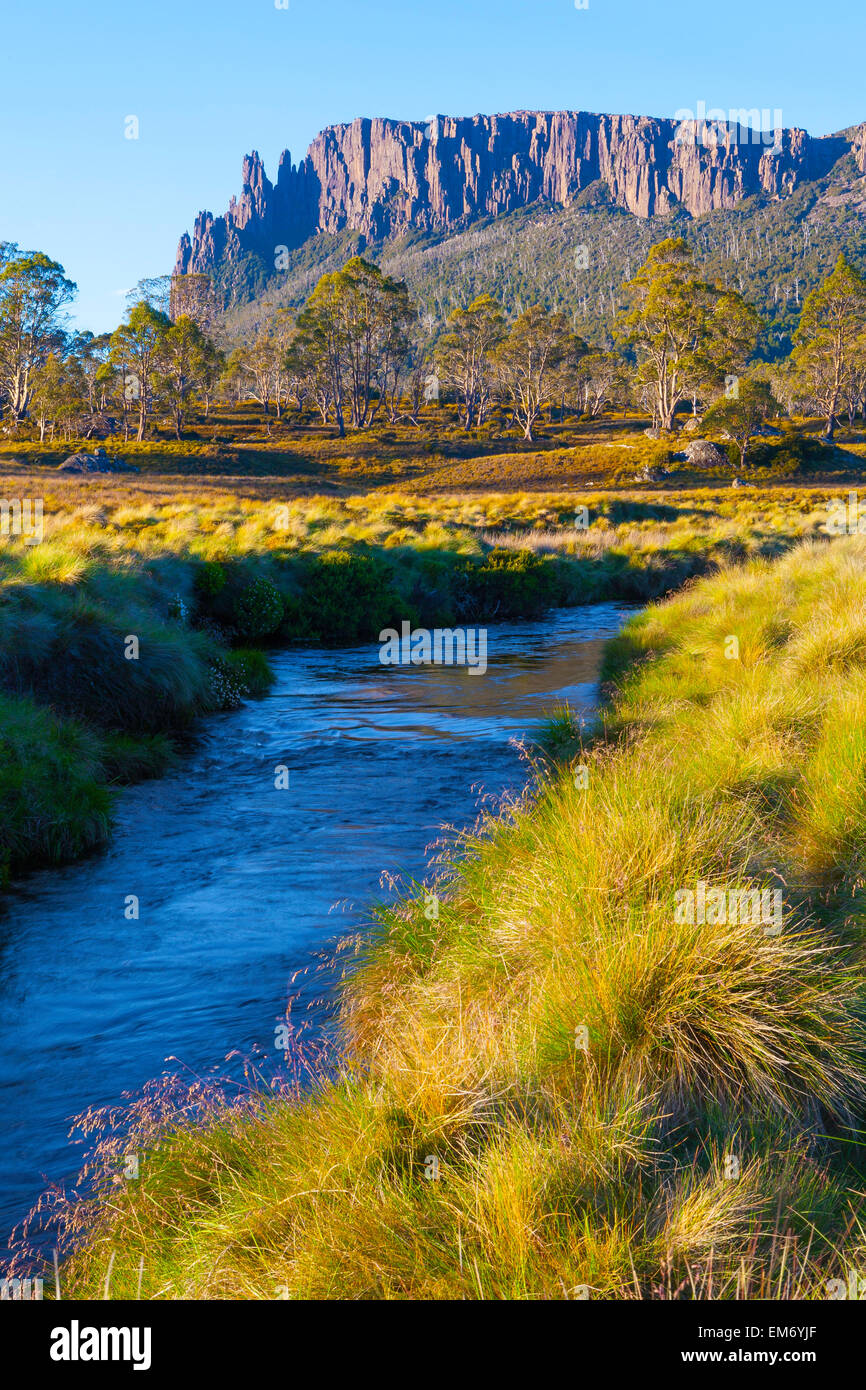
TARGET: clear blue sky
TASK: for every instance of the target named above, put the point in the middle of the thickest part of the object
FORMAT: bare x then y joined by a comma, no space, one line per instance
210,80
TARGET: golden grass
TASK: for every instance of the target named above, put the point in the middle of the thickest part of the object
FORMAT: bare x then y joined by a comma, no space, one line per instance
619,1103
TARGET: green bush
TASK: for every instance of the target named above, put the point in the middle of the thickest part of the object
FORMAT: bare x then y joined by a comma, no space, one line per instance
348,598
793,453
226,686
258,609
210,579
508,584
252,670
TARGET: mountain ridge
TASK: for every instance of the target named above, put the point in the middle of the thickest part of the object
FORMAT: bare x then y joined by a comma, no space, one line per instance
384,178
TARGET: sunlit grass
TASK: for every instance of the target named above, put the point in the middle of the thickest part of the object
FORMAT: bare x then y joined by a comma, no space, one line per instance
619,1103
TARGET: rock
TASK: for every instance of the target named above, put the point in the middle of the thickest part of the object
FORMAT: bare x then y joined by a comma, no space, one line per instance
382,178
653,433
97,462
693,423
701,453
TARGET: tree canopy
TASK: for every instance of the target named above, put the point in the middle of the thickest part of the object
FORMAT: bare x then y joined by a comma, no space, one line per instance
687,335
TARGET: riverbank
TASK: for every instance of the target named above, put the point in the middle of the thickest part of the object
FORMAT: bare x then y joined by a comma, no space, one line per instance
138,613
580,1063
378,760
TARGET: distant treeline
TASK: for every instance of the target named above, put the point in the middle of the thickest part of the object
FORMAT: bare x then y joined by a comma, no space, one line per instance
360,350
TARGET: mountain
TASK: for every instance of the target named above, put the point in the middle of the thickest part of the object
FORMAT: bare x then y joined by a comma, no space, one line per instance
461,193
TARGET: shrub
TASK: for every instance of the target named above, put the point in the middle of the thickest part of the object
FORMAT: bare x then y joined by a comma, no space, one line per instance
793,453
210,579
258,610
251,669
349,598
226,687
508,584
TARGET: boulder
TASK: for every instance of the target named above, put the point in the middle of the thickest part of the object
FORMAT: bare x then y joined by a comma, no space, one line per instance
97,462
702,453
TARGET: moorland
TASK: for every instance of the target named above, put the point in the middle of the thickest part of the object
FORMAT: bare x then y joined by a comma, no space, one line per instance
558,1085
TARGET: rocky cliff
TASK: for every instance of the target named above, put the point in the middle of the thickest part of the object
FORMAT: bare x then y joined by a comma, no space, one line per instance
382,178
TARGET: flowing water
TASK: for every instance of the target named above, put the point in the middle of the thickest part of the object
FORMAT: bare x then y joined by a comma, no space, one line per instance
236,880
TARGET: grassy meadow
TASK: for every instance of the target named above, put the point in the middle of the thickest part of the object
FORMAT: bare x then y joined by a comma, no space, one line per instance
207,572
256,532
557,1088
554,1088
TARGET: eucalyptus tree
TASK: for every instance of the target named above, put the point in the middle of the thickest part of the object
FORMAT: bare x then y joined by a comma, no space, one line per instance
687,334
135,350
354,331
531,361
742,413
59,397
830,341
182,362
601,380
33,293
465,360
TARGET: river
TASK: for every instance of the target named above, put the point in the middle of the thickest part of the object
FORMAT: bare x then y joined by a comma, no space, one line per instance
237,880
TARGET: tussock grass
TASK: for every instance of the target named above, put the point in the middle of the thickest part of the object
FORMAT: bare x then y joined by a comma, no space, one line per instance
53,805
82,710
619,1102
